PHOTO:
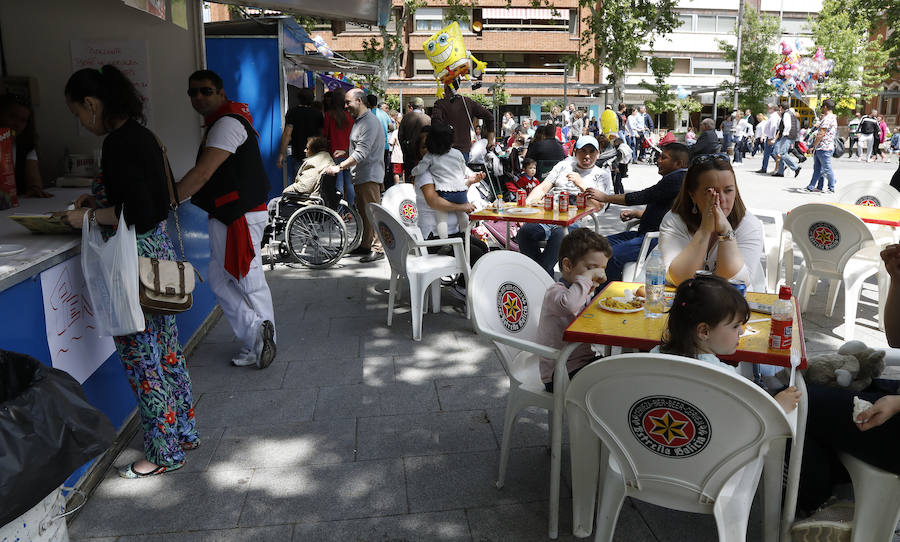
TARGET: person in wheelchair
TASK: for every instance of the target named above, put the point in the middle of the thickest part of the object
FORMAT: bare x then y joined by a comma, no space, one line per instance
308,180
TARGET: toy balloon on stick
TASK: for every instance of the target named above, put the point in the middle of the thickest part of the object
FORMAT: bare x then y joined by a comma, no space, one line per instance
450,58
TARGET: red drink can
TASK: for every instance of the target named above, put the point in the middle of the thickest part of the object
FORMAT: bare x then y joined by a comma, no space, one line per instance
563,202
548,202
521,195
579,201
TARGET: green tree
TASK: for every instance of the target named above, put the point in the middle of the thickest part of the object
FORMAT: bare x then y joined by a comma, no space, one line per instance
758,57
860,63
662,103
878,15
387,49
614,31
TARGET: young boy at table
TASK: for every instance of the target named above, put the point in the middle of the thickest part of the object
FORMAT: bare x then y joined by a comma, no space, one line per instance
706,321
582,257
527,180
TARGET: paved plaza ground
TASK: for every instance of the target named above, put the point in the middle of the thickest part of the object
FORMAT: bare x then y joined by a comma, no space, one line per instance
358,433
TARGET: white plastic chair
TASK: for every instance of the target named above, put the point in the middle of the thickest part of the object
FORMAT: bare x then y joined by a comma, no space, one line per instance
773,245
634,271
876,493
506,293
837,246
420,270
676,433
400,200
876,194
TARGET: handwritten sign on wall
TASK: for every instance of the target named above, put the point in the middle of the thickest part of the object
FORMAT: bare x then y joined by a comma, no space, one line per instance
75,345
131,57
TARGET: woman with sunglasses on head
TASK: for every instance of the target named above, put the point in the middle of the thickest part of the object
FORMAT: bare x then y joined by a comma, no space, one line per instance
135,181
710,229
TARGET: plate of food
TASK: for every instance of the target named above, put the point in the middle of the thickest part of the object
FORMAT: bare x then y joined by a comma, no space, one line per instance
521,210
621,304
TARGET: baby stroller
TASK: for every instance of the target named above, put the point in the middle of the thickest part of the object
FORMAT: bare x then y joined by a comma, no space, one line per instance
652,150
315,231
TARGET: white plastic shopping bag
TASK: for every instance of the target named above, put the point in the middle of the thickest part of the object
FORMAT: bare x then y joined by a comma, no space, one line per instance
111,274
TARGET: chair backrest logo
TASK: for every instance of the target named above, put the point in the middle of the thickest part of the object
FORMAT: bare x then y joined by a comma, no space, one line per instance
512,306
408,212
669,426
387,236
824,236
869,201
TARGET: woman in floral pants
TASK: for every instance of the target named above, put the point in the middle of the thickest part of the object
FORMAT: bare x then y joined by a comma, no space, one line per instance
135,182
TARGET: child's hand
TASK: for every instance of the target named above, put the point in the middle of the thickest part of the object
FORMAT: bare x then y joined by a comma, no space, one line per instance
788,399
596,275
882,411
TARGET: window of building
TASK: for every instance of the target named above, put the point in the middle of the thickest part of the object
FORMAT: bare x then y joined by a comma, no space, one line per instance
712,66
639,67
516,63
432,20
711,24
530,19
706,23
725,24
682,65
795,26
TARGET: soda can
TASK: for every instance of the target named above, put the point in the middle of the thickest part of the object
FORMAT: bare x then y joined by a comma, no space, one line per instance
579,201
563,202
548,201
740,286
521,195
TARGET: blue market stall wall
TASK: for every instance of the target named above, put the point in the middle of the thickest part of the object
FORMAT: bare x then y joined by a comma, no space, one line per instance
24,329
250,68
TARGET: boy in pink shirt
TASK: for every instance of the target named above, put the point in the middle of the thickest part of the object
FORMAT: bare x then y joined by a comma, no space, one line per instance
583,255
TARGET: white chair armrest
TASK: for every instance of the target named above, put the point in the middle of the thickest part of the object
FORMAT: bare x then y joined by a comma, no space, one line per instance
439,242
632,224
528,346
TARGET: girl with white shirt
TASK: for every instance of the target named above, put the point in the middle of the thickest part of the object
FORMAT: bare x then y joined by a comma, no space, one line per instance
710,229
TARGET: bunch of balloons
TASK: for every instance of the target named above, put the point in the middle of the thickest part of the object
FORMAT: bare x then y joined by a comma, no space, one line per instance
795,75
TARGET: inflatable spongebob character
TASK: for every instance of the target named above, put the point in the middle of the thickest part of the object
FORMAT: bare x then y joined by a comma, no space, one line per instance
450,58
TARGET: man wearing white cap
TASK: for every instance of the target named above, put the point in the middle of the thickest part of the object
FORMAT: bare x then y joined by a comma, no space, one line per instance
578,173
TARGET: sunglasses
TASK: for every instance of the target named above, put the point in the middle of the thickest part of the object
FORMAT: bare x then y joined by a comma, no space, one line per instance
206,91
706,158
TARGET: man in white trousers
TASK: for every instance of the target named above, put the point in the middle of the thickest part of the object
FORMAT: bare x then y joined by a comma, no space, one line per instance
230,184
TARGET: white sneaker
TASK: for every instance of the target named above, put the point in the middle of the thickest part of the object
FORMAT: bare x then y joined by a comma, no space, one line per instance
834,523
244,358
264,349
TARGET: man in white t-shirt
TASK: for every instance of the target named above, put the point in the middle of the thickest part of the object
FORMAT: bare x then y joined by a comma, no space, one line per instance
578,173
824,149
230,183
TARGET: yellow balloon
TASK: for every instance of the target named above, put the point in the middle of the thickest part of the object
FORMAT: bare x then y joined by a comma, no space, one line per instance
609,123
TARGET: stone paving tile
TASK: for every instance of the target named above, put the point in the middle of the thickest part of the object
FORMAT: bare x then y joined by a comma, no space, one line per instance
308,344
334,371
467,480
275,533
531,429
215,353
672,526
179,501
430,363
325,492
433,527
237,408
472,392
226,377
429,433
527,522
286,445
363,400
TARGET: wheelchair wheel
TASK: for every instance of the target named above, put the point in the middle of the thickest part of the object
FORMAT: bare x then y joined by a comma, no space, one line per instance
353,222
316,236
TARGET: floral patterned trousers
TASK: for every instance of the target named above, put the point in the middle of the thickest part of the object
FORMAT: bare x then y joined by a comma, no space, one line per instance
155,367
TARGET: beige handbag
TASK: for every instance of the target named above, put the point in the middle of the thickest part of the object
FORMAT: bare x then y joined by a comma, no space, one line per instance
167,286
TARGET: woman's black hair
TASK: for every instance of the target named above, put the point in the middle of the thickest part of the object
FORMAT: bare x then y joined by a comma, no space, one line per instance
110,86
440,138
708,299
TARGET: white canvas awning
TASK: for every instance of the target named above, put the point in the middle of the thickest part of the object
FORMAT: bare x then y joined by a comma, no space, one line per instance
364,11
321,64
525,13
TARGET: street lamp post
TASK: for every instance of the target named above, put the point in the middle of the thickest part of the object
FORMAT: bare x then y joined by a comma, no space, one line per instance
565,67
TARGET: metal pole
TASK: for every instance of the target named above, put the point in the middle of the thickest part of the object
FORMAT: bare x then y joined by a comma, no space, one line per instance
737,62
565,86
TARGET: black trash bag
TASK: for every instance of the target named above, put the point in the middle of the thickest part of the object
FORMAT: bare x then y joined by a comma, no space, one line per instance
47,430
